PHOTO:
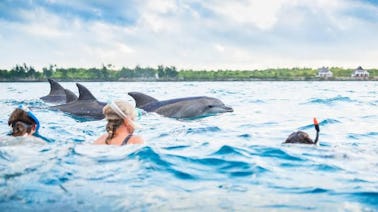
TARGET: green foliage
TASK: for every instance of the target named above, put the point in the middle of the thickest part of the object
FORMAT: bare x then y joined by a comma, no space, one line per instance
165,73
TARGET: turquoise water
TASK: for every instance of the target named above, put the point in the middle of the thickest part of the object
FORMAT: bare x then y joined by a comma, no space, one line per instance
232,161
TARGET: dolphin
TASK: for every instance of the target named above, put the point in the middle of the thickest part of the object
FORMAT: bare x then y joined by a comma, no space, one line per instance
57,93
70,96
189,107
86,106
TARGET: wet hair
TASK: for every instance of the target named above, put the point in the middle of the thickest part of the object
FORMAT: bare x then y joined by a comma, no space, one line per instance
20,122
115,120
111,127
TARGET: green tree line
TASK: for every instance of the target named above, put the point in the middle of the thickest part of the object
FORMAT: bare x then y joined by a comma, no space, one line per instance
166,73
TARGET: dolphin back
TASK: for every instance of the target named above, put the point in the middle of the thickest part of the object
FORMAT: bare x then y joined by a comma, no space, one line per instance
55,88
84,93
142,99
70,96
56,94
158,104
86,106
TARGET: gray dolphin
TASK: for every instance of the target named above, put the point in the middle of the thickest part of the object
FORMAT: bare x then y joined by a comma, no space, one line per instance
57,93
189,107
70,96
86,106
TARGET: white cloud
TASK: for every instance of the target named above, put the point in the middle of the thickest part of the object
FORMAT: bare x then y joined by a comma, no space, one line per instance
219,47
262,14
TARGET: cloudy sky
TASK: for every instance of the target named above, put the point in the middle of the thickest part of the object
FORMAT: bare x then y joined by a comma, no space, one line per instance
197,34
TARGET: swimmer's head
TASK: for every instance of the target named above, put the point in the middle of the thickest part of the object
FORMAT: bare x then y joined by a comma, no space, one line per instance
118,112
23,121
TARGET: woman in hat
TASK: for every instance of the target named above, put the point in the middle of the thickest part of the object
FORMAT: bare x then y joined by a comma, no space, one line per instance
120,127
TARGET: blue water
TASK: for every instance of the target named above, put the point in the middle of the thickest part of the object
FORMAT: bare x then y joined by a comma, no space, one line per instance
229,162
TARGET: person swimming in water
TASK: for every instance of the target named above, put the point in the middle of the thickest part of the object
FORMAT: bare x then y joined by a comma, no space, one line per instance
120,127
23,122
24,128
302,137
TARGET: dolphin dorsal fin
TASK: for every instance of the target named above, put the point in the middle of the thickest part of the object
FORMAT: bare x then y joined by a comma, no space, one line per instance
141,99
70,96
84,93
55,88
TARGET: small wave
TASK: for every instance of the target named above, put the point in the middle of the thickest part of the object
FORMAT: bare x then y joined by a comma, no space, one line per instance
32,104
356,136
201,130
26,171
326,167
311,190
367,197
157,163
56,178
374,103
227,150
223,92
328,122
5,156
224,167
176,147
276,153
245,136
235,168
329,101
291,207
323,123
257,101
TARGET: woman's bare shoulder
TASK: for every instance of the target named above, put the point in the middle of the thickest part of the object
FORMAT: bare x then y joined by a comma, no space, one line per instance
136,139
101,139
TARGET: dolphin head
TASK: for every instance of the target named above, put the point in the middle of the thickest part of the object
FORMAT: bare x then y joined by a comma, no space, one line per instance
213,106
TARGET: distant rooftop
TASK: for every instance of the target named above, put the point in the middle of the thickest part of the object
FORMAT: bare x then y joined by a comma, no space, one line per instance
323,70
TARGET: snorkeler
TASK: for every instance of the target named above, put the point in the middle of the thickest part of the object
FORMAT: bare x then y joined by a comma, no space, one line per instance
302,137
24,128
120,127
23,122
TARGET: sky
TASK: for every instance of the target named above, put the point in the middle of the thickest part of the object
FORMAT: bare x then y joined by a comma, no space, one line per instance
189,34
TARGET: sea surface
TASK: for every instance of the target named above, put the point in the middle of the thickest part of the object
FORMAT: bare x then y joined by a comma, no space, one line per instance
228,162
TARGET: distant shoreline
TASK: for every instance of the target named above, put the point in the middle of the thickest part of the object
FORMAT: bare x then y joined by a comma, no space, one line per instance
204,80
171,74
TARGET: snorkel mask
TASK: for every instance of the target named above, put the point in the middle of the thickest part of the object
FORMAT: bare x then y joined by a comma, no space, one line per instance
31,115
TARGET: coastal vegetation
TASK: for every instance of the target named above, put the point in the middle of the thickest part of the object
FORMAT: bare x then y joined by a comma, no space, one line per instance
170,73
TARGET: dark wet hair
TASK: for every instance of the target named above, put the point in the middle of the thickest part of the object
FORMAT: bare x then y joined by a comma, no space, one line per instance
20,122
111,127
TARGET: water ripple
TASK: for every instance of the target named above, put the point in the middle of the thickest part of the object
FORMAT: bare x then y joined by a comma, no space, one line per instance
356,136
322,123
274,152
183,162
330,101
201,130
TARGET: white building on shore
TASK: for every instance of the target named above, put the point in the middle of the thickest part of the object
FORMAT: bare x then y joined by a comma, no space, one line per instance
324,73
360,73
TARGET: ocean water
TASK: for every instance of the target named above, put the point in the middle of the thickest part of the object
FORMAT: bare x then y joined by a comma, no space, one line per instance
228,162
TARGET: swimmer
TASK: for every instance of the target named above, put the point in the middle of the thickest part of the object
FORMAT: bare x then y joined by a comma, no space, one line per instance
23,122
24,128
302,137
120,127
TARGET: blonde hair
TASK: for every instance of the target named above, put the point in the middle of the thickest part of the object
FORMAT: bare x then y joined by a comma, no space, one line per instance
115,113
